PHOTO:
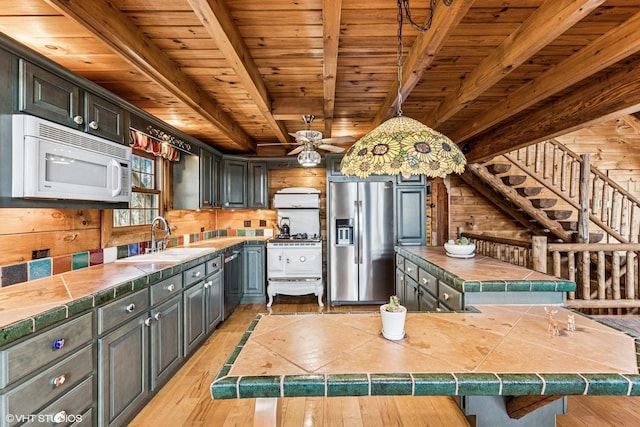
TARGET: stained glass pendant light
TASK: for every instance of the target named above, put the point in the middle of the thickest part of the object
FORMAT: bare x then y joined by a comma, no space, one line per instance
402,145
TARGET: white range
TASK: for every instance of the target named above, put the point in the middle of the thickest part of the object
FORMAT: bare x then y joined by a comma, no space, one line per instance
294,259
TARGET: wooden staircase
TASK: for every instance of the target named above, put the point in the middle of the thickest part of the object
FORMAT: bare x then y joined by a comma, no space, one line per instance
540,186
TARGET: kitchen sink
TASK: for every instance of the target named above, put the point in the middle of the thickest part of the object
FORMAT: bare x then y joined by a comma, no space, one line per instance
171,255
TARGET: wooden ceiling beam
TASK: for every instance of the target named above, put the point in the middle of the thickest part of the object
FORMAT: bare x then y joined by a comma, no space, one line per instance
598,99
549,21
617,44
115,29
331,13
422,53
218,22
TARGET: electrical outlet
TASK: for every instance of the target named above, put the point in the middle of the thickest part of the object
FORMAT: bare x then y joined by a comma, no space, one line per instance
40,253
247,223
202,229
263,223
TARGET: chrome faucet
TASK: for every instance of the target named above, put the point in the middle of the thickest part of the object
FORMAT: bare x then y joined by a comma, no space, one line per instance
161,245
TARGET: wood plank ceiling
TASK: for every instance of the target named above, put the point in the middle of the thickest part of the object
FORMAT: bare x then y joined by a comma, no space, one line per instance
491,74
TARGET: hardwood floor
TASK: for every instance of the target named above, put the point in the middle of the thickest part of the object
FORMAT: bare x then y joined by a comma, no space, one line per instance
185,399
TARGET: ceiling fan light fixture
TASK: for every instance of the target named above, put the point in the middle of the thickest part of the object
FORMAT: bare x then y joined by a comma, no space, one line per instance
309,158
401,145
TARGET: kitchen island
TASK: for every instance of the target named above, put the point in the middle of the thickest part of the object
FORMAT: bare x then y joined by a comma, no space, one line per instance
494,351
445,283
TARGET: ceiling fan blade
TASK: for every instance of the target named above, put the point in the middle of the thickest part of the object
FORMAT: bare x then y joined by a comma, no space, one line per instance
266,144
337,140
331,148
296,150
299,138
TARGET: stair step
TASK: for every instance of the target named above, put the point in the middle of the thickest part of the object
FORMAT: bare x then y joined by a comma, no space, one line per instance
558,215
498,168
513,180
529,191
595,237
543,203
569,225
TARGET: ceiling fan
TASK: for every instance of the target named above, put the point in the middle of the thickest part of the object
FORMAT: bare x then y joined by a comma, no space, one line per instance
310,140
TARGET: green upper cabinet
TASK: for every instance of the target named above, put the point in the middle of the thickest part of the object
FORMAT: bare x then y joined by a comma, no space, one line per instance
411,215
51,97
244,184
411,180
209,179
196,181
257,182
234,183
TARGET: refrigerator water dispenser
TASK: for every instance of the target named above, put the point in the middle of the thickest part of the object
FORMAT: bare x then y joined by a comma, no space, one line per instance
344,231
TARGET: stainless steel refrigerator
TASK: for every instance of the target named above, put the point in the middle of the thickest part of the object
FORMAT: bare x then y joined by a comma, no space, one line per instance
360,242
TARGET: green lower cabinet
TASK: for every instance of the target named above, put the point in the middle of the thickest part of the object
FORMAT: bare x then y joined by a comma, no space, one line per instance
166,355
254,286
213,300
123,366
194,316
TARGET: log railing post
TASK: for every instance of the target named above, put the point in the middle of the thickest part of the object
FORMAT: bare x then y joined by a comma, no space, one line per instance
539,253
583,212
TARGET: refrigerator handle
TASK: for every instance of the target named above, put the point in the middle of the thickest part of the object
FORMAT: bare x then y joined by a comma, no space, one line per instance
360,237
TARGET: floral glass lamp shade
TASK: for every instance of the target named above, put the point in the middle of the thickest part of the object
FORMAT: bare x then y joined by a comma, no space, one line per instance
403,146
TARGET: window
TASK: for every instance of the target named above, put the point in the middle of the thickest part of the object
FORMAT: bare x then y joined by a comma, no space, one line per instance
145,198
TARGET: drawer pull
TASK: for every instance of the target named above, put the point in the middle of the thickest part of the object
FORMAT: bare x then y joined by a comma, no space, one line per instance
60,417
445,296
131,308
197,274
424,280
58,344
408,269
59,380
171,287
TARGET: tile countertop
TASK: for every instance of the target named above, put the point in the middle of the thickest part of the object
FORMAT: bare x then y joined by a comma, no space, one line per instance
482,273
31,306
497,350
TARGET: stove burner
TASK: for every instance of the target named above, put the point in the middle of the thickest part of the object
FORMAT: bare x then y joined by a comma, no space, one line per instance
298,236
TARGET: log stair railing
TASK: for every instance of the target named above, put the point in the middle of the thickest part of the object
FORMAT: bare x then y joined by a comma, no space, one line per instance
609,206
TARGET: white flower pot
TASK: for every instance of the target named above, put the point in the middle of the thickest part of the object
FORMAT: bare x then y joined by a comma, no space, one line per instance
393,322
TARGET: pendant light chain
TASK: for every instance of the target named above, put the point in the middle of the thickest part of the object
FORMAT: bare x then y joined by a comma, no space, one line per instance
422,28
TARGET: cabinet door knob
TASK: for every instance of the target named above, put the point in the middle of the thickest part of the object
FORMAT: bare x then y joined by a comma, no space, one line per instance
171,287
158,315
78,120
60,417
148,321
445,296
93,125
59,380
131,308
424,280
58,344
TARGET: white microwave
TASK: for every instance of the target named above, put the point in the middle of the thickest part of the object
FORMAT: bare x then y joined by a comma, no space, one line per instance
50,161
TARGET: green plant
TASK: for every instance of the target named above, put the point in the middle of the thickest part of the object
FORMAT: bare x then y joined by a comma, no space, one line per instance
394,304
462,241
